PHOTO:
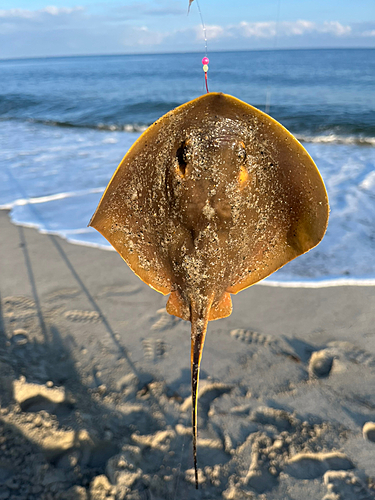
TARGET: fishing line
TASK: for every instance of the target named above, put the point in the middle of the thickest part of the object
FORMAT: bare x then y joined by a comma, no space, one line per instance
205,60
275,40
203,27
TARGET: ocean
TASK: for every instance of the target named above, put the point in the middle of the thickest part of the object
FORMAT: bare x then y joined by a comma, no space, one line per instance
66,123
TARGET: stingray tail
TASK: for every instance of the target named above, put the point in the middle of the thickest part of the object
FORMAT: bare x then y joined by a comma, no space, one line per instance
199,320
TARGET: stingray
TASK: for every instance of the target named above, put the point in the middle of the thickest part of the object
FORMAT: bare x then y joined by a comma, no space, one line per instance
212,198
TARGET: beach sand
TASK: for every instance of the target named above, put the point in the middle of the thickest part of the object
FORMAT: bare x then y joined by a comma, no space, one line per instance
95,385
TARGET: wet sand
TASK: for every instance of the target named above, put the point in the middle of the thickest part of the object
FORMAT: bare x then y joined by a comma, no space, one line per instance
95,385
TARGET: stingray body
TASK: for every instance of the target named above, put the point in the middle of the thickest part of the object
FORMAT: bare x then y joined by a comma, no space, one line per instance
212,198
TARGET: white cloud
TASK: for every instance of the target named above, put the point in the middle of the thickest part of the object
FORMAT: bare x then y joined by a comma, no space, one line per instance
56,11
299,27
258,30
286,28
140,27
369,33
212,32
335,28
20,13
142,36
144,9
32,14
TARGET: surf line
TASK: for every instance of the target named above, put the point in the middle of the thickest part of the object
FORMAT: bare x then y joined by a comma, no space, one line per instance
322,283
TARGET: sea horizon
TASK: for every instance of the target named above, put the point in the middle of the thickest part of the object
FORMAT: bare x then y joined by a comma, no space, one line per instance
125,54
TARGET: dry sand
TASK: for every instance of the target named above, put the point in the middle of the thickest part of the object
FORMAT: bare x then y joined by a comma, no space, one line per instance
95,386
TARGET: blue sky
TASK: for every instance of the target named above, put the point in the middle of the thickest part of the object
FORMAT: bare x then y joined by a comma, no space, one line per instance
33,28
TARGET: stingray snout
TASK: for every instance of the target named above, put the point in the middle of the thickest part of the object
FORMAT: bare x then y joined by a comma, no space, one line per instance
223,210
217,209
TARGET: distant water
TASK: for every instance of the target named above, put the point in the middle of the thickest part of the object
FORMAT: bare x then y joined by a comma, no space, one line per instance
65,124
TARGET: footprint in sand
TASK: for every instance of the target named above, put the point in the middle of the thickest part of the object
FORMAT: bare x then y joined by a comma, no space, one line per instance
78,316
278,346
251,337
368,431
208,392
164,320
280,419
336,356
13,302
343,485
256,470
33,398
320,364
314,465
119,290
22,308
63,294
154,349
278,445
352,353
20,337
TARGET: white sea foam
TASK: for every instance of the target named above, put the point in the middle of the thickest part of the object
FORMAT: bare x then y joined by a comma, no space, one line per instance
128,127
337,139
328,283
45,199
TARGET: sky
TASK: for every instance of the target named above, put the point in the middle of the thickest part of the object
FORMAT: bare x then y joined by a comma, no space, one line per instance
38,28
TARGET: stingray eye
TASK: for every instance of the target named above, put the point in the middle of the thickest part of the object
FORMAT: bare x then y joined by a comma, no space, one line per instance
183,155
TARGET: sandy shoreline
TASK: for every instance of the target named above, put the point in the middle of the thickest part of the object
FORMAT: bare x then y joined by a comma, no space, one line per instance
95,385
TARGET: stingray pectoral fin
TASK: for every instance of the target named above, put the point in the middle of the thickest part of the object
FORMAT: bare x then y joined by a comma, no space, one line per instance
303,235
133,213
302,239
155,276
222,309
269,265
290,197
176,306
